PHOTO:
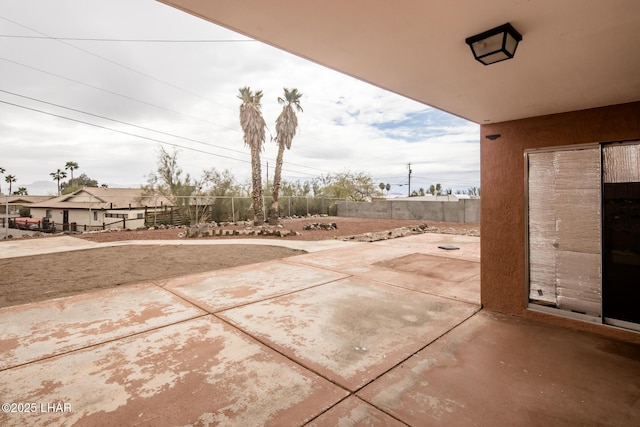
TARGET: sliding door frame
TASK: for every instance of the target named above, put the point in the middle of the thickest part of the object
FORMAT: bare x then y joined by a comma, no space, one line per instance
527,303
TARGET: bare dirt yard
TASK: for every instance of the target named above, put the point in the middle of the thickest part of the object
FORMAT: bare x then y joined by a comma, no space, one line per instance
43,277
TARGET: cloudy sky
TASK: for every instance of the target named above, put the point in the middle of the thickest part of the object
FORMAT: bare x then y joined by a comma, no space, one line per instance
105,82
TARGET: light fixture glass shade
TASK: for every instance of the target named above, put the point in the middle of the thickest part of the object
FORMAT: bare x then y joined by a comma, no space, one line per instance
495,45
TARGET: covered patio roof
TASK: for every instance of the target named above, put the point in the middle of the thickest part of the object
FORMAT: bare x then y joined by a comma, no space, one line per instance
574,55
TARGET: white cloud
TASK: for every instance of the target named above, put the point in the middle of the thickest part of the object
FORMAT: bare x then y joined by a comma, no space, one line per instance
189,90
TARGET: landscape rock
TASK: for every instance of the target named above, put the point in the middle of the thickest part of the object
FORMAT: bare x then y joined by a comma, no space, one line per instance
320,226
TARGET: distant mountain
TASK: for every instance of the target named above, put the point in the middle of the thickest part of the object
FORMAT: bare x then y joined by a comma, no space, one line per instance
42,188
50,188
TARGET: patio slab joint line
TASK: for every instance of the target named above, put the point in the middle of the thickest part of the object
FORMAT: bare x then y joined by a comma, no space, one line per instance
182,298
417,351
361,400
347,275
304,264
433,294
284,294
330,407
297,363
111,340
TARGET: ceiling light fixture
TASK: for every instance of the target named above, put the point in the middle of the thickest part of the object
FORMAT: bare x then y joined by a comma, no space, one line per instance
495,45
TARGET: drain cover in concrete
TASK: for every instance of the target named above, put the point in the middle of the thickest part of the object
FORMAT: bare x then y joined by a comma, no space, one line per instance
448,247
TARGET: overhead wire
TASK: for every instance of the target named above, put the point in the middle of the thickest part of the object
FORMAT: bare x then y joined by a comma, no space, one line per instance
424,179
123,40
147,128
133,70
105,90
146,75
140,136
63,41
46,36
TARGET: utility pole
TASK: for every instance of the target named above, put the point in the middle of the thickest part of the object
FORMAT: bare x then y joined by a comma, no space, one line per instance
409,167
264,207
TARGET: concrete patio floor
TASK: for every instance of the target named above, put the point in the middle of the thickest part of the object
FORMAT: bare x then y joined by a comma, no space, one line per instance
386,333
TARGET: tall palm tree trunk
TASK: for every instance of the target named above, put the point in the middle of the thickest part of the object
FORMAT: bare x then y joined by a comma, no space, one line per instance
253,126
274,212
256,179
286,125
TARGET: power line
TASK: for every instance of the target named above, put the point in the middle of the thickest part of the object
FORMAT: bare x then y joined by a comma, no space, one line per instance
115,93
123,122
119,131
140,136
45,37
146,128
133,70
62,40
423,179
131,99
104,90
445,180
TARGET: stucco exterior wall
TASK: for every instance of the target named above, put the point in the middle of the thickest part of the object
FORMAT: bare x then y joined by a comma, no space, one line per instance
503,195
84,217
463,211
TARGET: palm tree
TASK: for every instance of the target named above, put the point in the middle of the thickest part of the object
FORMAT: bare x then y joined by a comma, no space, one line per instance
71,166
253,126
57,176
22,191
286,126
2,170
10,179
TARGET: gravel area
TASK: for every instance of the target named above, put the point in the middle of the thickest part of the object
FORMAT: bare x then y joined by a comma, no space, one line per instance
345,227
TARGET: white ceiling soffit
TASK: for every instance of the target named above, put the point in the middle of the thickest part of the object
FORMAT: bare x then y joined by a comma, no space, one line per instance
575,54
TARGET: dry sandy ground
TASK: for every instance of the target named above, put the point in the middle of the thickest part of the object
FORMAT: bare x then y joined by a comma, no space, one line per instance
43,277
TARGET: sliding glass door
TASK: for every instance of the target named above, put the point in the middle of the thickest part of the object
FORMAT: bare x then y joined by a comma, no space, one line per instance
583,232
621,234
564,230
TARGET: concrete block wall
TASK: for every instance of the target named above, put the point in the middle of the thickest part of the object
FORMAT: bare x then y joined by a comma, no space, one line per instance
462,211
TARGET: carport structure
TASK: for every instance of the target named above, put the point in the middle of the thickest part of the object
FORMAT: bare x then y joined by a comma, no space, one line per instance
560,125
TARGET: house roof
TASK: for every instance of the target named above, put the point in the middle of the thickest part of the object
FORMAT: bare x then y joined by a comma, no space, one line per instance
574,55
104,198
27,200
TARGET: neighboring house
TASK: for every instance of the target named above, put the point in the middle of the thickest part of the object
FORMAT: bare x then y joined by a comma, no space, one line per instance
559,130
98,208
14,204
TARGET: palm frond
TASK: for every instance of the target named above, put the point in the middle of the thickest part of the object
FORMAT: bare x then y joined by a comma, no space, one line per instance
251,120
287,121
